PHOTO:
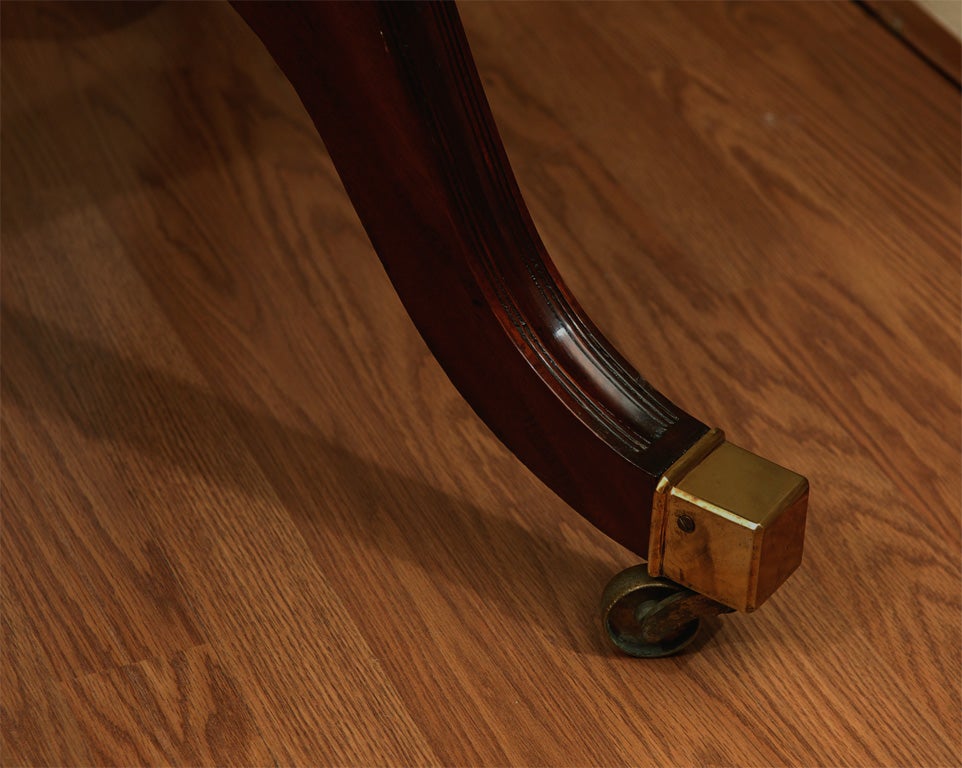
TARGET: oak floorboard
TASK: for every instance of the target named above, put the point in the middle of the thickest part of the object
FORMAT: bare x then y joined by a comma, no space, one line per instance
36,724
247,519
185,710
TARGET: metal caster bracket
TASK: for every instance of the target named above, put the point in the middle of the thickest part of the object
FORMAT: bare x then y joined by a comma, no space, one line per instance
650,617
727,529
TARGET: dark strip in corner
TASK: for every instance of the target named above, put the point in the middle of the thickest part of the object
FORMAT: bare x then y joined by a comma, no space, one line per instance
893,29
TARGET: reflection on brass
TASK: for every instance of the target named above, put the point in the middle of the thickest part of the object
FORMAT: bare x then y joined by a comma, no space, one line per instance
649,617
727,523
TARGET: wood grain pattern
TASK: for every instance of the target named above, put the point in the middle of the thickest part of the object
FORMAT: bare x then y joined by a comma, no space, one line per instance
230,536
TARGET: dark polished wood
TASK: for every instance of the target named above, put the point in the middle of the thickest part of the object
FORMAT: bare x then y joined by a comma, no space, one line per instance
394,93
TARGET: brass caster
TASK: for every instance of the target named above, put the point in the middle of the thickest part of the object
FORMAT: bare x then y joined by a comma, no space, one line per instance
649,617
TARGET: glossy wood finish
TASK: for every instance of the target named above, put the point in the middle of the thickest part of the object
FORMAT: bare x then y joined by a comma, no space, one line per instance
394,93
247,518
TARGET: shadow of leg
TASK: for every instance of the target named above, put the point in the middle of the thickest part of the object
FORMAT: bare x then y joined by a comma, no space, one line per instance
491,562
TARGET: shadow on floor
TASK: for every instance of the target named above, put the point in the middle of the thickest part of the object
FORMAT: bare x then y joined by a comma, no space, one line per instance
329,492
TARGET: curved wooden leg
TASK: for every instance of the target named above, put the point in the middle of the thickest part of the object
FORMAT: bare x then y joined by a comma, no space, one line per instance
394,93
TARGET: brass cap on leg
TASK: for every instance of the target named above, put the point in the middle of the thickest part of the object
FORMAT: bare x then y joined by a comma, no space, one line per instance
727,523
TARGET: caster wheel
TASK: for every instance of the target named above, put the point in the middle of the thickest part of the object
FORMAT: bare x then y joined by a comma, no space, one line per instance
649,617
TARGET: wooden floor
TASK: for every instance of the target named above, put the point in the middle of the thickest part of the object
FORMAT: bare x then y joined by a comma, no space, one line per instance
247,520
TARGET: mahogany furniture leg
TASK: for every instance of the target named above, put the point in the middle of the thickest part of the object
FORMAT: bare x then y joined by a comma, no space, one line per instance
394,93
